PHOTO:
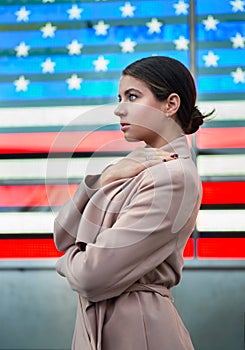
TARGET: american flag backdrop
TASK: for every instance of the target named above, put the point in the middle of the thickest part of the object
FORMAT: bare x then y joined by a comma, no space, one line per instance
67,53
60,62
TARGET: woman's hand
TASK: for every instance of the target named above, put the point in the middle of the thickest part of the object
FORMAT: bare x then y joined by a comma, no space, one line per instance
133,164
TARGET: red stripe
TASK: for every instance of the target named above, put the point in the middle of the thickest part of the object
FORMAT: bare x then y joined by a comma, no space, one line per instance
223,193
56,195
221,138
45,248
28,248
189,249
111,140
36,195
64,142
221,248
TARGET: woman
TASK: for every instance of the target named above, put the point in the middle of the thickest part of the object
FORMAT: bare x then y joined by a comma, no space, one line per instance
125,230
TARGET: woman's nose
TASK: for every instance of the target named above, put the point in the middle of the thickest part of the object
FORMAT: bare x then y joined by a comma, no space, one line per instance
120,110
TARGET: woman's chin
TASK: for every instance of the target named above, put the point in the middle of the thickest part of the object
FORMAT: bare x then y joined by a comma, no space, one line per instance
131,139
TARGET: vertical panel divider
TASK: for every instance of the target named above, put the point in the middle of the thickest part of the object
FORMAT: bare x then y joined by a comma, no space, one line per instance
193,69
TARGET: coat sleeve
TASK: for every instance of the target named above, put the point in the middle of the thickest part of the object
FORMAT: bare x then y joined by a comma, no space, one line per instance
67,221
140,240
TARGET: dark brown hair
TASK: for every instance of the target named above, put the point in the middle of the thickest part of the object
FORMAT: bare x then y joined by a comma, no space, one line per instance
163,76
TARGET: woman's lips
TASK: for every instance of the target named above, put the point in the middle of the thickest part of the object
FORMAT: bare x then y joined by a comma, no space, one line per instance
124,126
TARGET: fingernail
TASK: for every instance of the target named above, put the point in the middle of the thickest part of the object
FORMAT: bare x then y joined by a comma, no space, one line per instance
175,155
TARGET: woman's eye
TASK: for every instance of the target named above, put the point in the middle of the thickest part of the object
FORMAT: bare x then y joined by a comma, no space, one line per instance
132,97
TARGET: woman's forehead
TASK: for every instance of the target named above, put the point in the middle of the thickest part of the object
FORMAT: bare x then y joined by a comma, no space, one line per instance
129,82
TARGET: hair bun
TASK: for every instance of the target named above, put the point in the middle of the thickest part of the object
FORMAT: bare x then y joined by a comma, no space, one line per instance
196,120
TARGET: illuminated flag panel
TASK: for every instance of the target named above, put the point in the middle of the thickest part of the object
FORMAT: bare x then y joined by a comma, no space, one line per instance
60,62
220,67
68,53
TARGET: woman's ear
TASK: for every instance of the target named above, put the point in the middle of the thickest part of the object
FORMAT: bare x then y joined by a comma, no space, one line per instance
172,104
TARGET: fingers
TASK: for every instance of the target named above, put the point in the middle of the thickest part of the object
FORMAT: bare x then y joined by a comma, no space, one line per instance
149,156
157,154
171,157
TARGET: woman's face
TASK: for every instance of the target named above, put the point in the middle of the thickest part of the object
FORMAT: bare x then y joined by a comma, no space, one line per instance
141,114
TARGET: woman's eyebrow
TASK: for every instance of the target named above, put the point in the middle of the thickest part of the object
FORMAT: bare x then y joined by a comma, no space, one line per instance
132,90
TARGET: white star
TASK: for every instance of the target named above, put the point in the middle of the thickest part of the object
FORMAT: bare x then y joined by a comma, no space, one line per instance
21,83
238,41
74,12
210,23
74,83
22,49
154,26
181,8
211,59
74,48
127,10
238,76
181,43
101,64
48,30
128,45
237,5
22,14
101,28
48,66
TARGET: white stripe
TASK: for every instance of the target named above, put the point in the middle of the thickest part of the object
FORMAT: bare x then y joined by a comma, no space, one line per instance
221,220
44,116
224,110
221,165
26,222
207,220
57,168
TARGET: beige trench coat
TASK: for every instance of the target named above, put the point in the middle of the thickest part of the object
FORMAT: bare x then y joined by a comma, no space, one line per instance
135,231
